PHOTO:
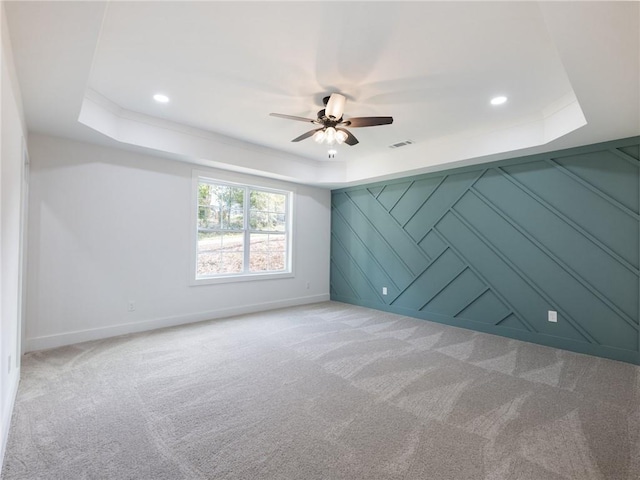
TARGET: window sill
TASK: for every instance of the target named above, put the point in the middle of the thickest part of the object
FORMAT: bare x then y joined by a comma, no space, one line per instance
251,277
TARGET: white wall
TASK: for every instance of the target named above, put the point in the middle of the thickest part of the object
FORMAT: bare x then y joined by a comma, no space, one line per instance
108,226
11,126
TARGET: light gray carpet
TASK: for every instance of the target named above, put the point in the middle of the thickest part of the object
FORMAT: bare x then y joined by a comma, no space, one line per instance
327,391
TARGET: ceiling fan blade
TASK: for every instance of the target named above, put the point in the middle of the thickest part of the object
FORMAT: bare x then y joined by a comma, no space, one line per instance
335,105
293,117
351,140
306,135
368,121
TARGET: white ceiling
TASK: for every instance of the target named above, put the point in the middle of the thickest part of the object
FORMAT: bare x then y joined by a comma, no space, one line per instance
88,71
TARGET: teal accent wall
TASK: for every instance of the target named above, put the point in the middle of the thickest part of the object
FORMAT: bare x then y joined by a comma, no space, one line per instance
494,247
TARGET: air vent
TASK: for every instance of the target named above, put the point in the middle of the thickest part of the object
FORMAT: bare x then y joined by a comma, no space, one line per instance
402,144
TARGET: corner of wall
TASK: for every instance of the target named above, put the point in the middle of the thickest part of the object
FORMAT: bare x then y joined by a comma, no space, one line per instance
12,127
8,63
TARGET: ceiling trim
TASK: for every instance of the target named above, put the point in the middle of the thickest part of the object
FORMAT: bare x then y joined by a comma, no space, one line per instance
199,146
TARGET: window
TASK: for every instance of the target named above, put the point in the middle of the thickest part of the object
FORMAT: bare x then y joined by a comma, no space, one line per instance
242,230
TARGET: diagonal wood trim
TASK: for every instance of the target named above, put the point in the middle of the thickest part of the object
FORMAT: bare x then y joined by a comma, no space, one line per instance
625,156
337,239
337,268
503,319
593,189
358,268
425,200
570,222
452,204
401,232
435,259
441,289
603,298
472,301
494,290
579,328
424,254
365,247
399,198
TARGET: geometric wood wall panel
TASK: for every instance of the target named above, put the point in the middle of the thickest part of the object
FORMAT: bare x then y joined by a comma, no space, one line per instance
494,247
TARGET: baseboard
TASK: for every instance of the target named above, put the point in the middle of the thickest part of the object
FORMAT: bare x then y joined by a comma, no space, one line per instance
69,338
7,413
546,340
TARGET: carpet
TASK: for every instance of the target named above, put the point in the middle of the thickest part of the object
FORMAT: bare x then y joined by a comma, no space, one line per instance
324,391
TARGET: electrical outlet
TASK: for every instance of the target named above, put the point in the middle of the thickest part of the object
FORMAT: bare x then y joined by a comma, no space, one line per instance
308,285
131,306
553,316
384,290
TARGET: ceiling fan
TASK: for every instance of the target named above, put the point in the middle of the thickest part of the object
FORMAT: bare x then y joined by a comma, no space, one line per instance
332,124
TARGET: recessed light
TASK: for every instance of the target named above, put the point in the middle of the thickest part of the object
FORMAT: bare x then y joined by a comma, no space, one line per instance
160,98
498,100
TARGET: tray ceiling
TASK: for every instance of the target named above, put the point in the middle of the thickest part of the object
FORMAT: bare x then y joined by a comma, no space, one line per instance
569,70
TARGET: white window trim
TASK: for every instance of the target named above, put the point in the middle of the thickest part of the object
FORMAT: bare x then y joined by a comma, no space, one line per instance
230,178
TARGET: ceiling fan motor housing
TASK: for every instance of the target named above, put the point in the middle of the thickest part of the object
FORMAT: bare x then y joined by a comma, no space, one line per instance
332,123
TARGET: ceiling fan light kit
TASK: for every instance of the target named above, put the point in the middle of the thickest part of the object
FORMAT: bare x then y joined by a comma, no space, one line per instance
330,135
330,119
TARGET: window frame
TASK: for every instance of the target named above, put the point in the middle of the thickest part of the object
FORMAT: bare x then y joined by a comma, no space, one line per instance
264,185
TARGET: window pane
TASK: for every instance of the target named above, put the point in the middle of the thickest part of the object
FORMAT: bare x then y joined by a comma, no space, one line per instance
236,218
267,210
258,220
207,218
204,194
226,206
277,222
224,219
279,203
259,252
233,242
278,249
267,252
220,253
232,263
